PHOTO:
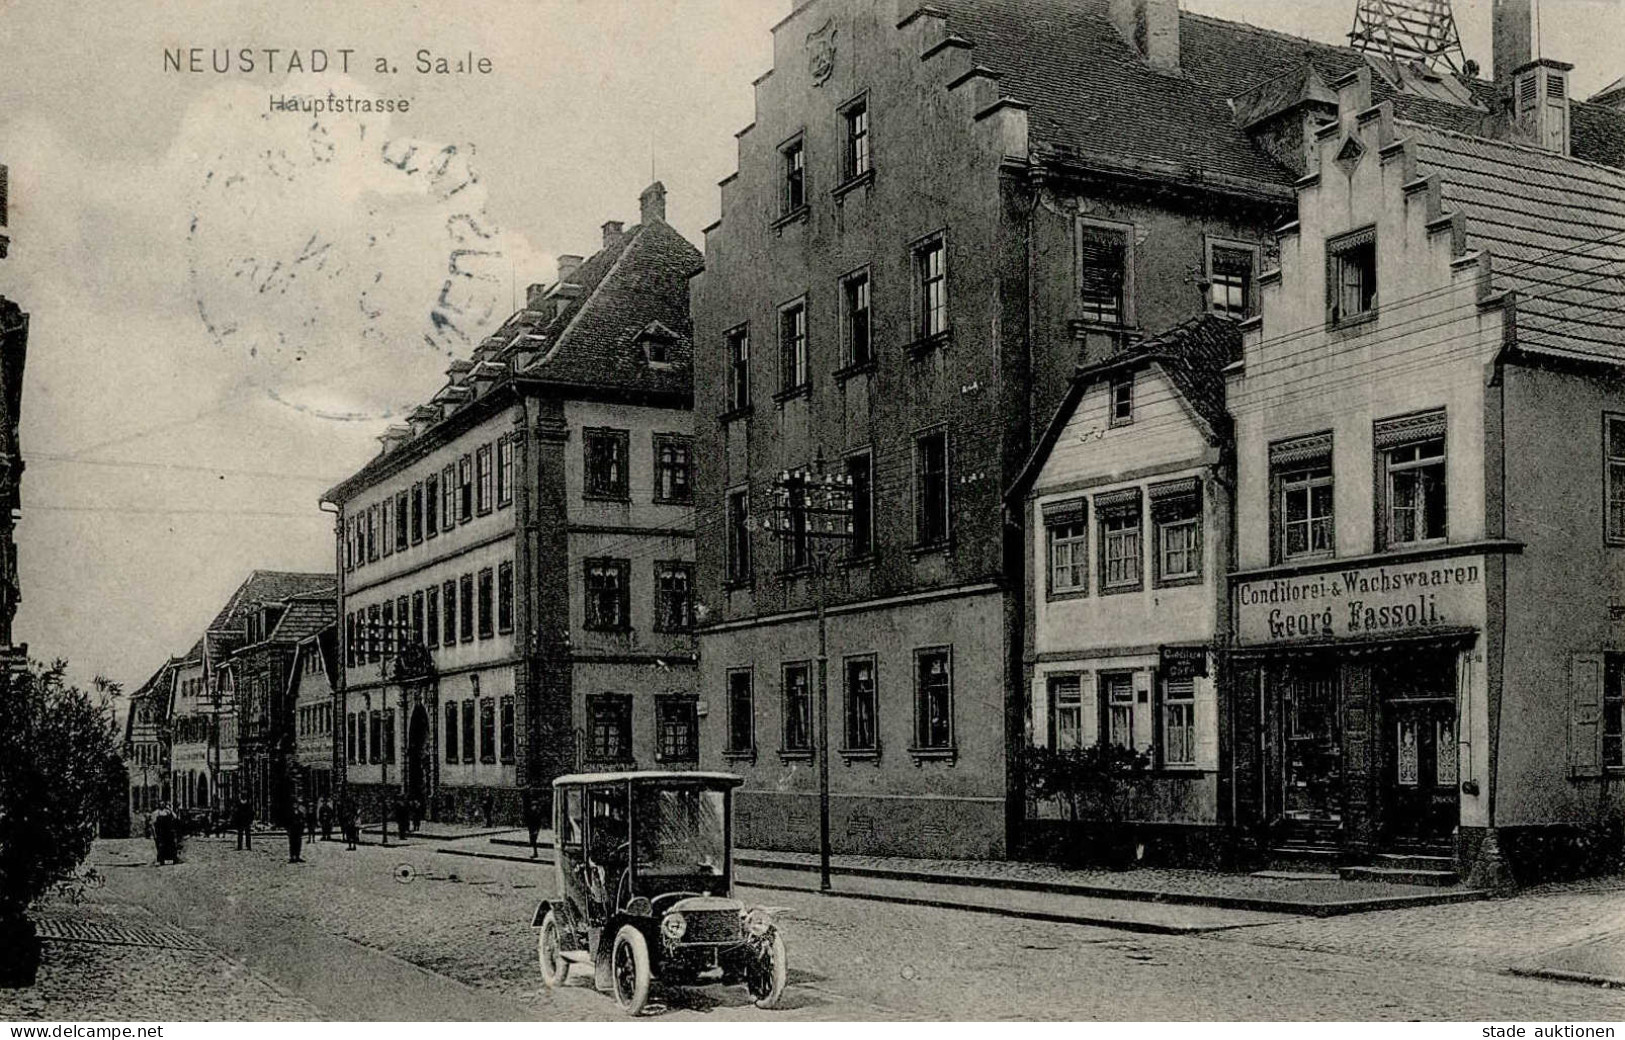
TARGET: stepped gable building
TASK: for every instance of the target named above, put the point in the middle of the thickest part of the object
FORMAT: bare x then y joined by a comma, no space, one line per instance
939,212
240,691
517,564
1430,438
1128,507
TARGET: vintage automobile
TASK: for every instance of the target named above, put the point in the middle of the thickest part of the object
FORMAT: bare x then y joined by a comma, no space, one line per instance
644,862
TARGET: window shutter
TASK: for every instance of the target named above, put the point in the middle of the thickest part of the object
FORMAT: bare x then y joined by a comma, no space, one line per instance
1585,715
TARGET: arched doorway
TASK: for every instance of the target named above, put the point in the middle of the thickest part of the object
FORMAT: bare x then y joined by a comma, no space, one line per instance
202,791
417,758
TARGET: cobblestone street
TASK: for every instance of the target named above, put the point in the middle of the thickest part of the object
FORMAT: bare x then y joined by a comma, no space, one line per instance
408,932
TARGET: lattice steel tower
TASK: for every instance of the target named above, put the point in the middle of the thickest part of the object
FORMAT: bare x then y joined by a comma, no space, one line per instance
1409,30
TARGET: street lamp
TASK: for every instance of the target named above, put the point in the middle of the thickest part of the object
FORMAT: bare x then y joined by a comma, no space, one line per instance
811,512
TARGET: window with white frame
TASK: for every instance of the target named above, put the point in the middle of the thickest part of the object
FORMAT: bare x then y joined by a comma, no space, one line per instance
417,512
448,498
465,489
1066,712
1614,449
605,463
677,725
1121,551
1301,475
607,595
1066,533
1179,722
1176,515
1411,457
505,448
674,596
1230,281
1351,276
855,159
674,468
1117,696
931,281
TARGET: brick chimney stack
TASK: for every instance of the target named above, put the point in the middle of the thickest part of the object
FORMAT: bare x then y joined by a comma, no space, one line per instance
613,230
1152,28
1512,36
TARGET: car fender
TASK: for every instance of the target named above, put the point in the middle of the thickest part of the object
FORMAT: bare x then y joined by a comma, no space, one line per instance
541,912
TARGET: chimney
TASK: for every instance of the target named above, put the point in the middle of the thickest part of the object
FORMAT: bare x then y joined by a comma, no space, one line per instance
1511,36
1540,104
534,294
652,204
569,263
613,230
1152,28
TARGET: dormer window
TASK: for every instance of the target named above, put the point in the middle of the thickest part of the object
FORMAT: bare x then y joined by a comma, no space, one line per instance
658,343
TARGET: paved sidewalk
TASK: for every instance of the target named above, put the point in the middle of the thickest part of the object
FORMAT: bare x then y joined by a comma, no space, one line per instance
1598,959
890,875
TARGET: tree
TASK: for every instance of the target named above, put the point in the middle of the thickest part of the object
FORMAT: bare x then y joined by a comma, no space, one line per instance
56,741
1094,784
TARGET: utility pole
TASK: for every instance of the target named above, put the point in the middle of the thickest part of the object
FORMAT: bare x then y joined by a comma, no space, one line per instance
812,512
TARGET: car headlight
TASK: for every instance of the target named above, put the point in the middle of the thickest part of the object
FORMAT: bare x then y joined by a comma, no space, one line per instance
674,927
758,923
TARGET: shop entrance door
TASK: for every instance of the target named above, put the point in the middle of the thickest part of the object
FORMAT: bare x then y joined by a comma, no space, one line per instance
1421,804
1312,751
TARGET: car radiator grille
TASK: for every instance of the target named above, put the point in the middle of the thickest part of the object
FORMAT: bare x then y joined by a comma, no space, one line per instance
713,926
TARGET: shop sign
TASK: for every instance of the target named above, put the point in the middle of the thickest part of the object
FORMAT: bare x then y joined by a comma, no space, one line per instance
1183,662
1362,602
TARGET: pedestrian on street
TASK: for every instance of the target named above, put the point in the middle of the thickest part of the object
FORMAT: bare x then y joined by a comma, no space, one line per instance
352,825
324,816
165,835
417,813
403,818
296,832
487,809
533,819
244,822
310,821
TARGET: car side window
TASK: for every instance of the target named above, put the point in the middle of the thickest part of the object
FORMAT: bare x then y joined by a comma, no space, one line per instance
571,827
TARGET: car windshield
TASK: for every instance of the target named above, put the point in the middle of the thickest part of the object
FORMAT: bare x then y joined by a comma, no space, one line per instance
679,830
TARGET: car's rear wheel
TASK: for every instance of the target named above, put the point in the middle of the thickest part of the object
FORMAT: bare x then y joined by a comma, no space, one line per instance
550,952
767,978
629,969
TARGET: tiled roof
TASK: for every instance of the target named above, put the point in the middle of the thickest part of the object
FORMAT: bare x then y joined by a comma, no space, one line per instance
1194,353
638,281
1093,97
267,587
1555,227
304,617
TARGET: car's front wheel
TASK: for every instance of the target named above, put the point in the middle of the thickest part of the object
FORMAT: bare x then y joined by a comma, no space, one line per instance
767,976
550,952
629,969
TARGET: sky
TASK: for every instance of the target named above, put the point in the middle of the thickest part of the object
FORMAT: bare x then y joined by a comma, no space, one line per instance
229,304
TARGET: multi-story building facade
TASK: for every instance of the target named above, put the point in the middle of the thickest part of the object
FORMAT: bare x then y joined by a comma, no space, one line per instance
1428,624
193,724
939,212
239,624
264,677
313,680
1127,502
146,745
517,563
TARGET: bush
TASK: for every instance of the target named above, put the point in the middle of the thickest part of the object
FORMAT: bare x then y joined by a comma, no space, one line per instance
56,742
1096,786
